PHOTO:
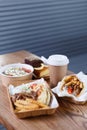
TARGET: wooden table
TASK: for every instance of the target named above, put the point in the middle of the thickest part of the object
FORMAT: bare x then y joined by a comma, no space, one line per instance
68,115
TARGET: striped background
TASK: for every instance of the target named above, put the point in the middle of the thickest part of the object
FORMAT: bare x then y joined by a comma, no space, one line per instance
43,27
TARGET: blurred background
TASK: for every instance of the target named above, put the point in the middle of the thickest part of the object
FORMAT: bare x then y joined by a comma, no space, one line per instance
45,27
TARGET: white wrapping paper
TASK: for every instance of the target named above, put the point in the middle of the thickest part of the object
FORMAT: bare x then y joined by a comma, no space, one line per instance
82,97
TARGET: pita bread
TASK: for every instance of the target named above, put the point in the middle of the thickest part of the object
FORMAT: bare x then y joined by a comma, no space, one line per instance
44,93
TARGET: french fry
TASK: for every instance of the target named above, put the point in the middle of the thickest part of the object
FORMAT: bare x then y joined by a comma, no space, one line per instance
68,78
68,84
81,85
23,104
28,104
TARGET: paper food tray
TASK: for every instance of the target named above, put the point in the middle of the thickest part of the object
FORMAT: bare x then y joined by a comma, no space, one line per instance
41,111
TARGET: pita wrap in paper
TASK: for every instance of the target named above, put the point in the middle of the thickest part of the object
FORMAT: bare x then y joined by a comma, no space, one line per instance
82,97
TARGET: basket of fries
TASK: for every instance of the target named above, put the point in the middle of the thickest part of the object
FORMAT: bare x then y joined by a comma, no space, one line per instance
32,99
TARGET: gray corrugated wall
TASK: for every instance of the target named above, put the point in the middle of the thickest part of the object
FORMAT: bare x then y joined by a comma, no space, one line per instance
43,27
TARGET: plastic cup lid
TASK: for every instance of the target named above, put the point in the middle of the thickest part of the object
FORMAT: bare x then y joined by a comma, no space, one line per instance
58,60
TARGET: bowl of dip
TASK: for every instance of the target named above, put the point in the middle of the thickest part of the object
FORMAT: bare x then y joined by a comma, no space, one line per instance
16,74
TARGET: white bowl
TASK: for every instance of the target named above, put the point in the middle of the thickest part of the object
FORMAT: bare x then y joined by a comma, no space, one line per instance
16,80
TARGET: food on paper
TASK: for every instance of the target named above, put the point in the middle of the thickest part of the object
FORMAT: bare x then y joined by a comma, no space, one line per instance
73,87
31,96
32,99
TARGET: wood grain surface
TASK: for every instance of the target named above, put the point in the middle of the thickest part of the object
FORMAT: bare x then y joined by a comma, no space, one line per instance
68,116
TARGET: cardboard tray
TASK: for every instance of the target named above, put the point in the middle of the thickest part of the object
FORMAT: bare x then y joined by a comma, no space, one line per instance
31,113
38,112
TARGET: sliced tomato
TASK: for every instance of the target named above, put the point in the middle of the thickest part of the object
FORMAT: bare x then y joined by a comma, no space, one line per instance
26,70
70,90
33,85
